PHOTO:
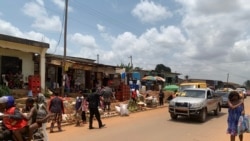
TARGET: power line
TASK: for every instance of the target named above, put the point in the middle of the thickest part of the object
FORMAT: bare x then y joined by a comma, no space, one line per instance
61,31
96,13
60,35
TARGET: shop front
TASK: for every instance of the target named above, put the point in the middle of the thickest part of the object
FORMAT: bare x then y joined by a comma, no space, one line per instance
81,74
19,59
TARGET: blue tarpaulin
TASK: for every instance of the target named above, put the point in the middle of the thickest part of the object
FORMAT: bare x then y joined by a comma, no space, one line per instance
123,75
136,76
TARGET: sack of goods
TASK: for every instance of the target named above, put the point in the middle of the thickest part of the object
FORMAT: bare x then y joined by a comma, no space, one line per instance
122,109
243,124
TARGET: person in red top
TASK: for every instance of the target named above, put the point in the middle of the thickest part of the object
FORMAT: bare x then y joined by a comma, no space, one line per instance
13,120
56,108
134,95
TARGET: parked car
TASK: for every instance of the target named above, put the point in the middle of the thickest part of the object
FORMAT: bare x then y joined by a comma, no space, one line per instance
248,92
224,96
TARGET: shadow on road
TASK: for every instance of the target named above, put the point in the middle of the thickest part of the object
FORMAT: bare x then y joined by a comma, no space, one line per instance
194,120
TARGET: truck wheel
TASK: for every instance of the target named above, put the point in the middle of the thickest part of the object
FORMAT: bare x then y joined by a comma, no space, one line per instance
217,110
174,116
203,115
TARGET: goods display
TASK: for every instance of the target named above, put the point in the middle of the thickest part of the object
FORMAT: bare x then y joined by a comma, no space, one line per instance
124,110
151,101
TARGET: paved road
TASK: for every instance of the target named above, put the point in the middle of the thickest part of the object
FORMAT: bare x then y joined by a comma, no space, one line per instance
152,125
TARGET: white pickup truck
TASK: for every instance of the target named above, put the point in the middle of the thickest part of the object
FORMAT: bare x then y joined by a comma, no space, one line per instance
195,102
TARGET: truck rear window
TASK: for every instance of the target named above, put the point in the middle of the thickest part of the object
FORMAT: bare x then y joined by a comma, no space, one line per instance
194,93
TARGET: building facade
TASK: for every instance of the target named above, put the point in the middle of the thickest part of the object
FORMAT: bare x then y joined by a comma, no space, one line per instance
82,73
21,58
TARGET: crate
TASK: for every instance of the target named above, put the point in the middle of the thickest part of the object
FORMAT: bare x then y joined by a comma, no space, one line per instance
34,81
34,84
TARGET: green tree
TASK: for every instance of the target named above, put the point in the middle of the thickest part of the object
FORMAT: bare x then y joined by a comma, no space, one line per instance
128,67
137,68
4,90
162,68
247,84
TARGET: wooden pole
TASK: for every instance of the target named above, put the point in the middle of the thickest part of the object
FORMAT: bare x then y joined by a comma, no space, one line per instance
227,81
65,47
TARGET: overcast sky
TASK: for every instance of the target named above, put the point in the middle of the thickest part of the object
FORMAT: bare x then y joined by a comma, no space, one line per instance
199,38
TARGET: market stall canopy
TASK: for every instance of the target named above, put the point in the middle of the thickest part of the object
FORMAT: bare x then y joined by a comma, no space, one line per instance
171,88
150,78
153,78
158,78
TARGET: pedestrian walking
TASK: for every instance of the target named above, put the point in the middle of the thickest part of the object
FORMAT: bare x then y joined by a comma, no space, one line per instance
235,110
42,114
36,113
94,100
57,109
107,95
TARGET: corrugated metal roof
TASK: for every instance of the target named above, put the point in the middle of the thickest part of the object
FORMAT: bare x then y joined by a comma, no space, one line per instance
23,41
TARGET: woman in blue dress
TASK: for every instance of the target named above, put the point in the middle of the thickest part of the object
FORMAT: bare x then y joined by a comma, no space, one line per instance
235,110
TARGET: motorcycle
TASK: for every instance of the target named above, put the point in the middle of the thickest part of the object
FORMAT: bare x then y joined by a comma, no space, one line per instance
6,135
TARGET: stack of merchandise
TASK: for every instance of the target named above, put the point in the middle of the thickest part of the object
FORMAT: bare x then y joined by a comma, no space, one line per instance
69,111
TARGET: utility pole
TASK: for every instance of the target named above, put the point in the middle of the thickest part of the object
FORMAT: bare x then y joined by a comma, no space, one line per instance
131,60
97,58
227,81
65,47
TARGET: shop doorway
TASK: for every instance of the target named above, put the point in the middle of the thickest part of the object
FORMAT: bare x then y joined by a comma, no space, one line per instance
11,71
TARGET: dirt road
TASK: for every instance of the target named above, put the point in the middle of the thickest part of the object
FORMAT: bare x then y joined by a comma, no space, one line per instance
152,125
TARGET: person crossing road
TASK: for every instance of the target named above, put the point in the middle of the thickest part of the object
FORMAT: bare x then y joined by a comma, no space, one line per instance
94,100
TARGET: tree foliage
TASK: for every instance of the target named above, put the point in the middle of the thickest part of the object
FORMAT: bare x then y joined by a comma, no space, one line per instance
4,90
128,67
162,68
247,84
137,68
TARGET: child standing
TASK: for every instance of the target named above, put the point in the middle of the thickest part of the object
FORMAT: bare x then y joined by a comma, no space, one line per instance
235,110
84,107
78,110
